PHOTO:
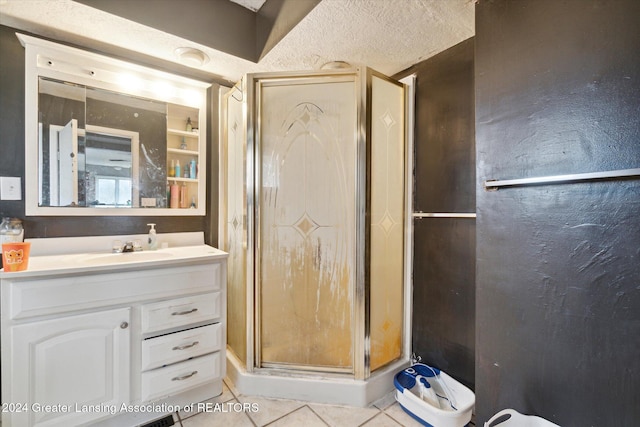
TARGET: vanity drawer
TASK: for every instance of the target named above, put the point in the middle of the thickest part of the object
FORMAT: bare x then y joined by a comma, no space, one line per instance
54,294
181,376
181,311
181,346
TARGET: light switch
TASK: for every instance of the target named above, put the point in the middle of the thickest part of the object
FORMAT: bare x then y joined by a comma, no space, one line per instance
10,188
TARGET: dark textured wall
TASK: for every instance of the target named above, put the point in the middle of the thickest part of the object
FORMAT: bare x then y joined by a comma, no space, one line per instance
12,158
558,266
444,248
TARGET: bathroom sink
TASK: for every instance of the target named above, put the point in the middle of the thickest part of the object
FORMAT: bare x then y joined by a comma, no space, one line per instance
125,257
85,261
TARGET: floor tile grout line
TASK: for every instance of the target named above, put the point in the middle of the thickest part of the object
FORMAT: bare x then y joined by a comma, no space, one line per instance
224,381
180,419
179,423
237,397
393,418
370,418
318,415
255,424
296,410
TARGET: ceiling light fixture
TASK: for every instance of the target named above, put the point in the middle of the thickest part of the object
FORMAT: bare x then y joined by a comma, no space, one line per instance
336,65
191,56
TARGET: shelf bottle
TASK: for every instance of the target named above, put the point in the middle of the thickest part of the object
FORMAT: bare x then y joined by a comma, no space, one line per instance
175,196
183,195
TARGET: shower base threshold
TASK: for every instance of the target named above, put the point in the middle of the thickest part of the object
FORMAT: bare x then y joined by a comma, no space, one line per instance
330,389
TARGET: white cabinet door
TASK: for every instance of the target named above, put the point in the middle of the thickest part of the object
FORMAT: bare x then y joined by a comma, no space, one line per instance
79,365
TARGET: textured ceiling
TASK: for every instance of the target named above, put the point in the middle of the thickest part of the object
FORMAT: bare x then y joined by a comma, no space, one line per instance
387,35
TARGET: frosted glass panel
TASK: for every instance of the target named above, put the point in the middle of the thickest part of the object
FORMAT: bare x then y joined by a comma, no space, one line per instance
236,228
387,222
307,223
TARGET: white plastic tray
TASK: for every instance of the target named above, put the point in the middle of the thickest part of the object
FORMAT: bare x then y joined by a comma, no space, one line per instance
515,419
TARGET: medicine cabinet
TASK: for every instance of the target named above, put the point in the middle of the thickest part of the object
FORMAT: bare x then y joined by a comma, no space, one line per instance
105,137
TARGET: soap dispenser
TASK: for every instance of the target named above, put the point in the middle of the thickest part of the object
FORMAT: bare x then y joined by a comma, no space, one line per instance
153,238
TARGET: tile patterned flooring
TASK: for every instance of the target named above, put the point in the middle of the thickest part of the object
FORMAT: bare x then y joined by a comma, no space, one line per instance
226,410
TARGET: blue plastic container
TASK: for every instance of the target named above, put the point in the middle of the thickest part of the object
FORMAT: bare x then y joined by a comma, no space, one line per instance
432,397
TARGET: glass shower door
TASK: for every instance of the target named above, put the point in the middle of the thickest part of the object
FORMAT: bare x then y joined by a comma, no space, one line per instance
387,211
235,231
306,223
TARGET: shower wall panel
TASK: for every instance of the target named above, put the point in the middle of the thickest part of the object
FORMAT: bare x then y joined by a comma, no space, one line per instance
306,222
236,229
386,244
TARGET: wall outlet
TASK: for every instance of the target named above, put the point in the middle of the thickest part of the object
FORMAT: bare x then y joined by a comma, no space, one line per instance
10,188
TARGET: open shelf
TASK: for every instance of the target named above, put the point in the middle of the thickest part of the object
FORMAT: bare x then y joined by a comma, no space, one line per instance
184,146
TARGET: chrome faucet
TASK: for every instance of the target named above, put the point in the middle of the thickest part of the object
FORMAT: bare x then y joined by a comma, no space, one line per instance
129,246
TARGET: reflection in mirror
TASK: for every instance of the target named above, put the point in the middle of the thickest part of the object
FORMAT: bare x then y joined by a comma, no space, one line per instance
110,167
90,145
144,122
61,114
101,135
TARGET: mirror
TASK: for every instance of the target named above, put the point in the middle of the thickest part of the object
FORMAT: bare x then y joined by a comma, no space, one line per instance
102,135
89,147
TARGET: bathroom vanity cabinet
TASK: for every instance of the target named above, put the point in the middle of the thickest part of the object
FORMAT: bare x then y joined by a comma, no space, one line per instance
103,345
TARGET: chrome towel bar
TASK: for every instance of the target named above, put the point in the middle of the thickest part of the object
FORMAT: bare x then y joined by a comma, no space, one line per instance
560,179
443,215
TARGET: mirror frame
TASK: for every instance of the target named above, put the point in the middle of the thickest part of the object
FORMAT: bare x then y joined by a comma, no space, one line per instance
52,60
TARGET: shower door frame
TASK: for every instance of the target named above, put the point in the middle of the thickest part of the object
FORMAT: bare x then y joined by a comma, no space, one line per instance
254,83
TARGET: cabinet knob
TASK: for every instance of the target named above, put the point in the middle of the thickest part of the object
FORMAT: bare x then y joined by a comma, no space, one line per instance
124,325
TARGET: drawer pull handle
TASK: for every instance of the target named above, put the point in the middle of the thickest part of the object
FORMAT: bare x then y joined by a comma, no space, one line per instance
186,346
182,313
184,377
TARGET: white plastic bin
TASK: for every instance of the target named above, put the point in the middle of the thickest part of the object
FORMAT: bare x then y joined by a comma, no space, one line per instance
511,418
432,397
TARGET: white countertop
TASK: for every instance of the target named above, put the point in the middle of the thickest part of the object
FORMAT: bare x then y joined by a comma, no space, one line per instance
105,261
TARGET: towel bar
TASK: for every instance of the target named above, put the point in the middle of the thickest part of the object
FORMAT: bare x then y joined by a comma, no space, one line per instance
442,215
559,179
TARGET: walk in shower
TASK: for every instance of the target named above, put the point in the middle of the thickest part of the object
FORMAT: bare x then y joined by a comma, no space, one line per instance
314,217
